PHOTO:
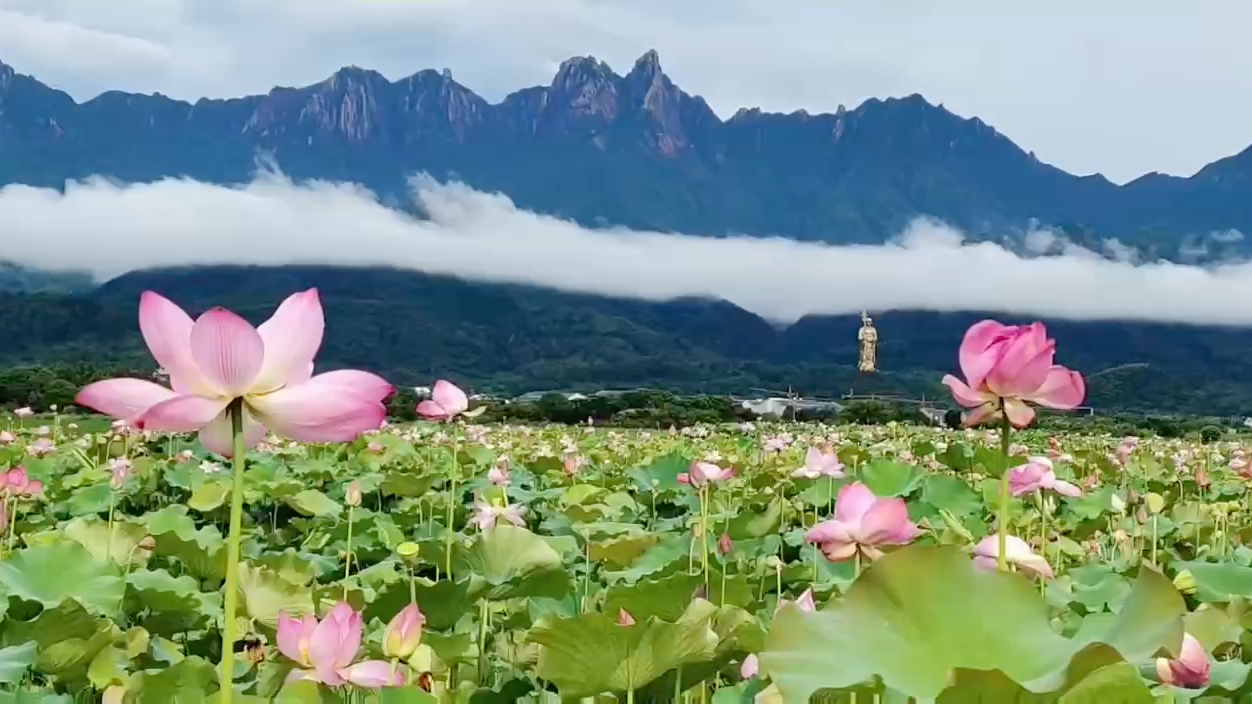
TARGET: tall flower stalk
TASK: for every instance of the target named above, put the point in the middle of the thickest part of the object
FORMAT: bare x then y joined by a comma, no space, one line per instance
1006,368
232,383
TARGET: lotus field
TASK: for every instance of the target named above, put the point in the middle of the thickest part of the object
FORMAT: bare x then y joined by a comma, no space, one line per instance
256,524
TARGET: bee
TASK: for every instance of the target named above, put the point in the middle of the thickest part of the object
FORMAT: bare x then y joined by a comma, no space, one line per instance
426,681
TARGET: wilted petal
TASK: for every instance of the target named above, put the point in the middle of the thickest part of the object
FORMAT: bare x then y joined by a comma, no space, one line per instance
166,329
218,436
228,351
373,674
291,339
318,410
1018,412
181,414
965,395
987,411
852,502
1062,389
123,399
839,551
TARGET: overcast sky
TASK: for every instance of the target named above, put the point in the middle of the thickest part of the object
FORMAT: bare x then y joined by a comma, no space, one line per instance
1121,87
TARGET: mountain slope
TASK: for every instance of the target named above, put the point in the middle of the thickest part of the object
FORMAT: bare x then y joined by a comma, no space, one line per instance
631,150
412,328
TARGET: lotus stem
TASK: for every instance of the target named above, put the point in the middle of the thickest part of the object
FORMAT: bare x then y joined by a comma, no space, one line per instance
231,600
483,614
456,450
347,558
1002,521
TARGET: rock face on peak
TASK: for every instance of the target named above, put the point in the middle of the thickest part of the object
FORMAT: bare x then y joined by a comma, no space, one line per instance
633,150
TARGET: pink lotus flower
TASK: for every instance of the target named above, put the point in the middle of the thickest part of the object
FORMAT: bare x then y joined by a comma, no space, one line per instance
702,473
499,474
15,482
7,438
804,602
624,618
1011,364
446,402
119,468
486,515
41,447
819,464
987,554
24,412
220,357
750,667
1190,670
325,650
572,464
862,522
404,633
1037,475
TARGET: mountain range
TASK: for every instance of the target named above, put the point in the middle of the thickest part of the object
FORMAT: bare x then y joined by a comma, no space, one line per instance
632,150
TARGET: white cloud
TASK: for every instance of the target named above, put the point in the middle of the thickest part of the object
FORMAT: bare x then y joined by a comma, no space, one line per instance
1130,87
109,229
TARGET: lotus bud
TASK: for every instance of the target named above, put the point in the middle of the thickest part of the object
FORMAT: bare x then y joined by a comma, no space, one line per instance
724,546
404,633
624,618
352,495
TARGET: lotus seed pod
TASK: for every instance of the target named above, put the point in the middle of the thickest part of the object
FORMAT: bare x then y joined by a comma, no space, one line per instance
1184,582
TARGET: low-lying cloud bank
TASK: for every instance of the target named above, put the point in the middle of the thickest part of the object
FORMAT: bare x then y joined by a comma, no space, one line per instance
109,229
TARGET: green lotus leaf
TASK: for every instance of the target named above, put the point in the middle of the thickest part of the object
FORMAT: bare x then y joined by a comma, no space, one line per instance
757,522
592,653
311,502
174,604
442,602
183,683
15,661
265,593
88,500
513,562
950,494
49,574
665,598
623,550
1219,581
123,539
662,474
202,551
110,666
917,615
208,496
1118,683
887,478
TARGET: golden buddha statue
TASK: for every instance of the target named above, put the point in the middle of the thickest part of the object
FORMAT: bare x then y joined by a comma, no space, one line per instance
868,337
